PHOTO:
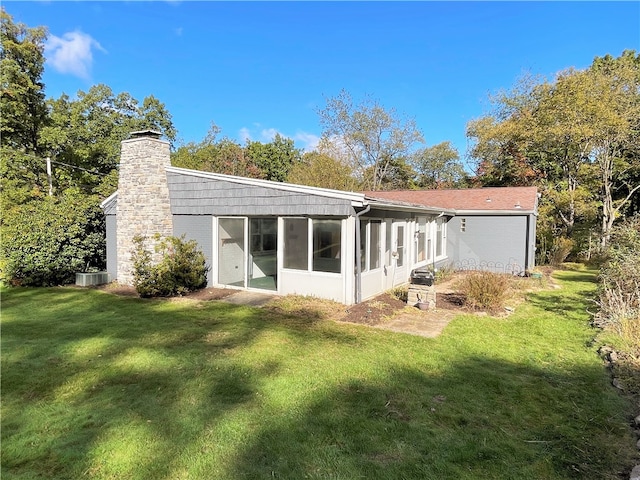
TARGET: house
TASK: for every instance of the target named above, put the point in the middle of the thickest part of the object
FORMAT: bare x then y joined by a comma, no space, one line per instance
293,239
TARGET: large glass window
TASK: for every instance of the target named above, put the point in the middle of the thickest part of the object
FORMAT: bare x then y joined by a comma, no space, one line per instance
296,243
374,244
325,250
370,245
327,245
400,245
263,235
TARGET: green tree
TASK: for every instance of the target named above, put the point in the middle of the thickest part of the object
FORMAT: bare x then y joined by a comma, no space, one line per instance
439,166
275,159
217,156
23,112
374,138
84,135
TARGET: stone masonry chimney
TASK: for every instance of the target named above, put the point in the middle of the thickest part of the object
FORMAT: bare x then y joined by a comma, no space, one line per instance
143,206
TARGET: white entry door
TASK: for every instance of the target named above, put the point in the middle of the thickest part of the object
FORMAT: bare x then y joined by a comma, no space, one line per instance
400,253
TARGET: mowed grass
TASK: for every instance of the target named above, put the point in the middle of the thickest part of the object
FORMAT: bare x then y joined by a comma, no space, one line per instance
97,386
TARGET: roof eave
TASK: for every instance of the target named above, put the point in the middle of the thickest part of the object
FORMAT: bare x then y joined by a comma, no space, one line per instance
496,212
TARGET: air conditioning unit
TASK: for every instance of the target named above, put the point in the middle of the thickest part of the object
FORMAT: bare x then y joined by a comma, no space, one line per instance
89,279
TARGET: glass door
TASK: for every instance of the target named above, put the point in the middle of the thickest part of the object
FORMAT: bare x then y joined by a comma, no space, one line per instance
263,248
231,252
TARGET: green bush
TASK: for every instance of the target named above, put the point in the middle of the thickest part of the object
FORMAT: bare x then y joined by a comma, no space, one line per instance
485,290
182,268
46,242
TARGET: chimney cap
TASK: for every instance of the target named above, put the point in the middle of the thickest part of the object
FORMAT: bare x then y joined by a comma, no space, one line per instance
145,134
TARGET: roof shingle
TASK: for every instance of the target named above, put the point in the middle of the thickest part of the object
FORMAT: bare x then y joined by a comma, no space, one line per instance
481,199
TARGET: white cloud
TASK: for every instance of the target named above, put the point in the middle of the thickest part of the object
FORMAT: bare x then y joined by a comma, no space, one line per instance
73,53
244,134
268,134
304,140
309,141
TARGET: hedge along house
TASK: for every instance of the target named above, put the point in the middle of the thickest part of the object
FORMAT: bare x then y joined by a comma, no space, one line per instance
271,236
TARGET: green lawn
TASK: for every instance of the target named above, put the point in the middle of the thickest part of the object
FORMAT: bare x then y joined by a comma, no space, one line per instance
97,386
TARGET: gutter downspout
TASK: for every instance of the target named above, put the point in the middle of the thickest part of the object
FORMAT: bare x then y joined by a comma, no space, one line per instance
358,298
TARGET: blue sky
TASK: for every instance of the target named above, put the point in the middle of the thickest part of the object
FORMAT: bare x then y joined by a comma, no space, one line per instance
259,68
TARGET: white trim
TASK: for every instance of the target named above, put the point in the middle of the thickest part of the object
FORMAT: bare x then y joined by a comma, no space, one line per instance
108,200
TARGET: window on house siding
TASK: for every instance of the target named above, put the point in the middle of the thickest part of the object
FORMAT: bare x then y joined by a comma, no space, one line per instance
327,245
296,243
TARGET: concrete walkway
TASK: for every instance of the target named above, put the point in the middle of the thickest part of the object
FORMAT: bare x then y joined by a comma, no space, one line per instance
423,323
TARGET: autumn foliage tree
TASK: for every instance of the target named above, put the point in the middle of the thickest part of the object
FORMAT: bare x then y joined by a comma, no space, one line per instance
575,137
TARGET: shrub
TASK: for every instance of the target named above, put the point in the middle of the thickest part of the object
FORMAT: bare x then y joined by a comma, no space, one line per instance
182,268
46,242
485,290
619,290
560,250
401,293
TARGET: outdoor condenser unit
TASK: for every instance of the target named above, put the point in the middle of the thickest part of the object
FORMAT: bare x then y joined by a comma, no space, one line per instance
89,279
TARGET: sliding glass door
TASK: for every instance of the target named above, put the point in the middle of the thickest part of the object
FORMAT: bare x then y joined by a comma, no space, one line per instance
251,263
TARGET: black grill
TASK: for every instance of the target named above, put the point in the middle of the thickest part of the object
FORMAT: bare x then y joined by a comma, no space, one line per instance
422,276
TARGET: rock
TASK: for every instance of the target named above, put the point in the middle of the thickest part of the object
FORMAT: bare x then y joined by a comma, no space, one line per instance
637,420
613,357
618,384
635,473
605,350
638,444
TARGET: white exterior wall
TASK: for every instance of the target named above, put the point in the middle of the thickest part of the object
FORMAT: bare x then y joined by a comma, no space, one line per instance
333,286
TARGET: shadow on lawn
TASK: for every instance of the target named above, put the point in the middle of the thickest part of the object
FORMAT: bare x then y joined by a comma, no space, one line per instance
481,419
165,418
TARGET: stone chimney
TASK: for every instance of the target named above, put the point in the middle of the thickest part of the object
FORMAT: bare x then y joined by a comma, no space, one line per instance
143,207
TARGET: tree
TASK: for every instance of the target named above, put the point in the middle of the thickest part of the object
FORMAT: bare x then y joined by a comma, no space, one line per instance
84,135
218,156
23,111
438,166
374,138
575,137
276,158
616,89
321,170
22,108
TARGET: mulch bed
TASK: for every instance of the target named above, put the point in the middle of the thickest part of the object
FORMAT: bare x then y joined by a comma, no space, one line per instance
370,312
